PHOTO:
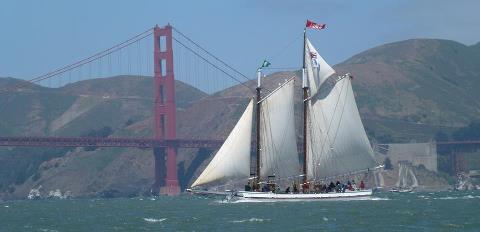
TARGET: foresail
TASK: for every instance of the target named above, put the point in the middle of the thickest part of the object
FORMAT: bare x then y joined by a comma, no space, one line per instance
232,161
336,140
278,154
317,69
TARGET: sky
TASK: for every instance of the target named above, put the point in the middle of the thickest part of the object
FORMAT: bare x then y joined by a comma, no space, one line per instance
40,35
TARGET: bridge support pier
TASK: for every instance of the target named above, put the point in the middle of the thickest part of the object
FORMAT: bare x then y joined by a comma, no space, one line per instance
165,110
171,180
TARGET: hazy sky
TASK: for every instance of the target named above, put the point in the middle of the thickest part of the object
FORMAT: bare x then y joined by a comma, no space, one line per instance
40,35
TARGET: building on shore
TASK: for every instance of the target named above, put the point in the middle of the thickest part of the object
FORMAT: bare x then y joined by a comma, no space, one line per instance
416,153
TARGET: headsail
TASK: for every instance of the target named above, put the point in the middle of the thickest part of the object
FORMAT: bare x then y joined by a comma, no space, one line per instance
337,143
278,155
232,161
317,69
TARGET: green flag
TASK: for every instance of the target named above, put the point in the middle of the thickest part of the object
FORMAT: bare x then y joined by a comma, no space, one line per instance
265,64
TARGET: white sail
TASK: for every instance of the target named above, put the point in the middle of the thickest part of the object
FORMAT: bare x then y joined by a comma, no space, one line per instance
406,177
278,154
336,140
232,161
317,69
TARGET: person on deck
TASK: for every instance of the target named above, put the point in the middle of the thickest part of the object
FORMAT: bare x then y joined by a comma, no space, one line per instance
306,187
295,189
323,188
362,185
265,188
331,187
338,187
317,187
247,187
287,190
349,186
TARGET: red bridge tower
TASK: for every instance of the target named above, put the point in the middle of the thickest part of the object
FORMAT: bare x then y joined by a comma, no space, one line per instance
165,109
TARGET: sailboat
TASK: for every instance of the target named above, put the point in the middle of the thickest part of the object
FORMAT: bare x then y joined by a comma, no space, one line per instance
335,144
407,181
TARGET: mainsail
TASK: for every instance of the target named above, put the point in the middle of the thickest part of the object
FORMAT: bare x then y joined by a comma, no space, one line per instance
317,69
278,152
232,161
336,140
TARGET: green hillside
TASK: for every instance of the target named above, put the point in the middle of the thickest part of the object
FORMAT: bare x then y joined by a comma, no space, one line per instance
122,104
413,88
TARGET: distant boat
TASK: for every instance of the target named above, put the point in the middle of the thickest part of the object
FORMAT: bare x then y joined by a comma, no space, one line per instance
407,181
335,143
401,190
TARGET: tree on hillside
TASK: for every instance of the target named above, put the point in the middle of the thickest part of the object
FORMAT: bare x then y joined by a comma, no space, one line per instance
385,138
470,132
441,136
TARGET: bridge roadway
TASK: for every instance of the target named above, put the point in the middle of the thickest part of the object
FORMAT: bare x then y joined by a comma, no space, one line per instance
106,142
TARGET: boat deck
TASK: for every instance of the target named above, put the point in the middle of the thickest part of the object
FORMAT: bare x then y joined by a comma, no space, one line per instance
292,196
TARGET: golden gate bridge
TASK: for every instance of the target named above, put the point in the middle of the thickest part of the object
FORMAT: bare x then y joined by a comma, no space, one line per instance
209,73
164,141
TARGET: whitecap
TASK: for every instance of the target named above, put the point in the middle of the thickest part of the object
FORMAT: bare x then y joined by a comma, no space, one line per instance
325,219
7,206
456,198
470,197
446,198
154,220
379,199
251,220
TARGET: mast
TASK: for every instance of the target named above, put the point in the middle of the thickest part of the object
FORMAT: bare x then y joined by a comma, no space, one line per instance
305,105
259,75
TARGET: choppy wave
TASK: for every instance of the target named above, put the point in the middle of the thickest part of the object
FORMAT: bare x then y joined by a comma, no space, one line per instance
251,220
379,199
456,198
154,220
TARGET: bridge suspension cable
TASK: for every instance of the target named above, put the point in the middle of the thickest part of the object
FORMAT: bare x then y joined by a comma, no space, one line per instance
84,61
213,65
94,57
210,54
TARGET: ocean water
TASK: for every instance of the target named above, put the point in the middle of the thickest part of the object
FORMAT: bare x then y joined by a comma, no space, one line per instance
442,211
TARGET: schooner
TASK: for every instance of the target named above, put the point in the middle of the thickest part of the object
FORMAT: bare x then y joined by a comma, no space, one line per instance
334,139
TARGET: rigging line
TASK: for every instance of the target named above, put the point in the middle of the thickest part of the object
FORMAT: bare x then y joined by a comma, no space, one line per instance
216,58
331,121
352,173
284,48
215,66
275,90
282,68
270,145
341,115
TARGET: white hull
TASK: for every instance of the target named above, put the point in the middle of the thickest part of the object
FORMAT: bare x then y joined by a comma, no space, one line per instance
303,196
402,190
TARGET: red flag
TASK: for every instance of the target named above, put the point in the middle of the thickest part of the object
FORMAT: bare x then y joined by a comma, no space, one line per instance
313,25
